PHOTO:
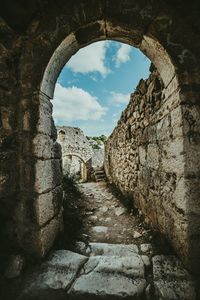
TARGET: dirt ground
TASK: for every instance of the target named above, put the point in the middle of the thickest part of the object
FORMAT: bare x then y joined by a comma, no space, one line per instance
106,220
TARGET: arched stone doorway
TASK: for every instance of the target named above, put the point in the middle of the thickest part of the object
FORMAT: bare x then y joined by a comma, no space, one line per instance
76,168
157,31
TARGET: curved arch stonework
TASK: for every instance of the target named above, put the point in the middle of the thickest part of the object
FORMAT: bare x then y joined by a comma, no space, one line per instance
32,61
74,143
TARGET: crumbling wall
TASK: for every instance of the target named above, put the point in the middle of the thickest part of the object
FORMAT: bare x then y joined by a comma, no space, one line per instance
145,158
74,142
36,43
75,150
98,157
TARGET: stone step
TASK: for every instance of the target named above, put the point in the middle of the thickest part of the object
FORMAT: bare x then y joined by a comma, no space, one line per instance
100,175
106,271
99,172
94,249
100,179
74,276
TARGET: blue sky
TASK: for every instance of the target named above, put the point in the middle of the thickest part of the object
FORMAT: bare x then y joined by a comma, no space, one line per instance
94,86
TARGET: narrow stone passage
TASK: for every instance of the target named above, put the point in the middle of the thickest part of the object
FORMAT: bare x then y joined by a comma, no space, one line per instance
107,220
116,258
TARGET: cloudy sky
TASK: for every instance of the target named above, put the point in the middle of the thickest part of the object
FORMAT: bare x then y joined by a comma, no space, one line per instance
94,86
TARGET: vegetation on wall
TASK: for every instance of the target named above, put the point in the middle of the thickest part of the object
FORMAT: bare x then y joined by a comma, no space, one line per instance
97,142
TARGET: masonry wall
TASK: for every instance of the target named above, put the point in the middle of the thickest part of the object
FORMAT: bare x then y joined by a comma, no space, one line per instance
35,44
39,211
98,158
74,142
145,158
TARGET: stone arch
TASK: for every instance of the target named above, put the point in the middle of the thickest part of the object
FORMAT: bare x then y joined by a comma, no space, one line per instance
62,134
83,165
157,31
69,46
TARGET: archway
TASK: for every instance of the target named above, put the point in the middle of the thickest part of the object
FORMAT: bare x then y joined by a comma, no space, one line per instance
156,31
76,168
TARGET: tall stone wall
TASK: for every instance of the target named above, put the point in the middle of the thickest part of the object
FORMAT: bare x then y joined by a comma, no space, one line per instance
145,158
39,211
35,44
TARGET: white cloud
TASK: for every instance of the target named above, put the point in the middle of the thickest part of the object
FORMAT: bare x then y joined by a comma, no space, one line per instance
119,98
90,59
122,55
73,103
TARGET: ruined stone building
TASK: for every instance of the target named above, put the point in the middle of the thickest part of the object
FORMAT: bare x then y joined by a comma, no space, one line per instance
153,153
78,155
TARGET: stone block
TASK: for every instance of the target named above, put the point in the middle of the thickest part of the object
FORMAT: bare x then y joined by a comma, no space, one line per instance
179,196
97,249
177,122
43,239
54,275
142,155
45,122
161,60
171,280
153,156
45,147
47,205
173,159
111,276
48,175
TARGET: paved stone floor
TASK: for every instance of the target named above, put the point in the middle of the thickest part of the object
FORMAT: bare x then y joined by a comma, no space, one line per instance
116,258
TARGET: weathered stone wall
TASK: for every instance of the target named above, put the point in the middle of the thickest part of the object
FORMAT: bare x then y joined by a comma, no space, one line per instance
98,157
146,158
9,144
75,148
36,42
74,142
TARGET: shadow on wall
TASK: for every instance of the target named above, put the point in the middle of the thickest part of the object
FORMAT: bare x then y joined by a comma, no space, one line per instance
163,34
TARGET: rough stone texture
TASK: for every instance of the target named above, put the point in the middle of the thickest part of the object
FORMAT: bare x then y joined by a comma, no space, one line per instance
171,281
47,205
37,40
94,249
114,274
73,141
111,276
57,273
97,157
145,158
77,153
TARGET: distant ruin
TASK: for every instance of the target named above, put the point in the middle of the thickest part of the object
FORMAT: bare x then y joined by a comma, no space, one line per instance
79,158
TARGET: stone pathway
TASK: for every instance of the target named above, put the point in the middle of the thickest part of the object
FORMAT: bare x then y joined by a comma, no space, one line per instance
107,220
116,259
